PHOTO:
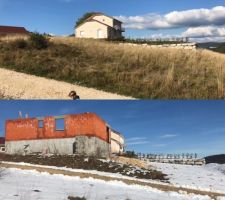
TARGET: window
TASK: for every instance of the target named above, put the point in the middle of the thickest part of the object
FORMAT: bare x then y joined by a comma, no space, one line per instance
82,33
60,124
40,124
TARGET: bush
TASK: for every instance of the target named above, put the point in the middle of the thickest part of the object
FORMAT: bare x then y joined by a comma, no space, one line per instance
76,198
130,154
19,44
38,41
83,18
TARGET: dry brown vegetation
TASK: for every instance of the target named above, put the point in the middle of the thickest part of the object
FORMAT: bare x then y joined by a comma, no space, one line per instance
140,72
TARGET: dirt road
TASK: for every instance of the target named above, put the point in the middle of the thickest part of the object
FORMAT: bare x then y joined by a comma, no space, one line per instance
162,187
22,86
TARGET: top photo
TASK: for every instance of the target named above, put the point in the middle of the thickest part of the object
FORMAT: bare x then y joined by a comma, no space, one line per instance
114,49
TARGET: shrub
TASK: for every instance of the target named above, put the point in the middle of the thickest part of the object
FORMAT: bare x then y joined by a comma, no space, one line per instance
76,198
38,41
83,18
130,154
19,44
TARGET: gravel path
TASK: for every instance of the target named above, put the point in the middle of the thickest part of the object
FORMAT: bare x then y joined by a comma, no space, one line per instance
23,86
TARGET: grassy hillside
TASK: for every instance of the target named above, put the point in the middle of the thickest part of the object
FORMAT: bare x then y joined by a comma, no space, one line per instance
221,48
135,71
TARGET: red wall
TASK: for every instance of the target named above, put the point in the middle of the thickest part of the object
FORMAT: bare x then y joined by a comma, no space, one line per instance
88,124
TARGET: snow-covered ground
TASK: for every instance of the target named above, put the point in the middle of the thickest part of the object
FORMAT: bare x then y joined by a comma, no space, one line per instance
26,185
207,177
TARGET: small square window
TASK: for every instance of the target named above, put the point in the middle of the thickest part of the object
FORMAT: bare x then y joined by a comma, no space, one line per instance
40,124
60,124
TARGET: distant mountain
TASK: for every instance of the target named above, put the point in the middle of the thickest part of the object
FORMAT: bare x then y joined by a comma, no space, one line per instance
210,45
220,159
214,46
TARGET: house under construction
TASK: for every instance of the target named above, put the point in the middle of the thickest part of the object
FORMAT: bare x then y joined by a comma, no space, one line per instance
83,134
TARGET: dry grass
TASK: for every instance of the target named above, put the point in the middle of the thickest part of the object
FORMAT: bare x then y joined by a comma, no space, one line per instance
3,96
134,71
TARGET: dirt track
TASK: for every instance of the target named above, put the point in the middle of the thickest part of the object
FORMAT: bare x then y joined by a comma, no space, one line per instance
158,186
22,86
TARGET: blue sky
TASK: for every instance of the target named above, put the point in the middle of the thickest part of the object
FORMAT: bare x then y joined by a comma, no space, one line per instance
149,126
147,18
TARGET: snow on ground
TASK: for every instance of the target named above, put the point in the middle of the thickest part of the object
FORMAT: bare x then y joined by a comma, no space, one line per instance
25,185
207,177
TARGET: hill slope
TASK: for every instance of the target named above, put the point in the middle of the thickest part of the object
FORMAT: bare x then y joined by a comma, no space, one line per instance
140,72
220,159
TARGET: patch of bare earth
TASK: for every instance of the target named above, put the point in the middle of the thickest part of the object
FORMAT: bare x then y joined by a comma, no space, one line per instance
16,85
91,163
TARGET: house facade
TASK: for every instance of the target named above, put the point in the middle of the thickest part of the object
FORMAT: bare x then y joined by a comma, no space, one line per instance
117,142
83,134
12,31
100,26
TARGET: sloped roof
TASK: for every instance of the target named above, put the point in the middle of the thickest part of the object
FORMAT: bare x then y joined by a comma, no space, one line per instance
97,14
12,30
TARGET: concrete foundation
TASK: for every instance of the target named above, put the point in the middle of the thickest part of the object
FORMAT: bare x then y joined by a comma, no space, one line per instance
82,145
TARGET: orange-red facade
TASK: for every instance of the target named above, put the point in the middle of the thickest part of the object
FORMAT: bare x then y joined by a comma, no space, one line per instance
87,124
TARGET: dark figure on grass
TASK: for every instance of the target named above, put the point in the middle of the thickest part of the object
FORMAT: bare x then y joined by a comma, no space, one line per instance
73,95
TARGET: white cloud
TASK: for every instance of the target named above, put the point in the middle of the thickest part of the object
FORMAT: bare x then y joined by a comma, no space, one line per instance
175,19
136,141
168,136
205,31
208,39
135,138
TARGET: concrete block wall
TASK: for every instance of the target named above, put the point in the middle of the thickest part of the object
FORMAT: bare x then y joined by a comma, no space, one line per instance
82,145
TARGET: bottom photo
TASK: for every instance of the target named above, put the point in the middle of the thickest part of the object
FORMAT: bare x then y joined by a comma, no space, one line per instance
112,150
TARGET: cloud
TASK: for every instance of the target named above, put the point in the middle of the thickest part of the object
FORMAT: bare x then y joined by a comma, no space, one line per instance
176,19
135,138
208,39
205,31
136,141
168,136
